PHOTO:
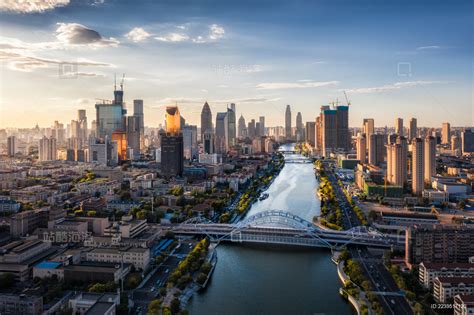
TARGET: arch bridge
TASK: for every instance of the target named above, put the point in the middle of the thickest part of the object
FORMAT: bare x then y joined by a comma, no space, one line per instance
285,228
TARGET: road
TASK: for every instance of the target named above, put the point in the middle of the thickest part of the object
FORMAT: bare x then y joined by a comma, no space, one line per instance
373,267
143,296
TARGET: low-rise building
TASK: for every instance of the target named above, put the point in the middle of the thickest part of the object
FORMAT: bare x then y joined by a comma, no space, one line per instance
128,227
138,257
9,205
21,304
94,303
445,288
429,271
463,304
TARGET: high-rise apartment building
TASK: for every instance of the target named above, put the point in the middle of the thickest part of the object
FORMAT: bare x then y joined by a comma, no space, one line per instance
361,148
139,122
430,158
11,146
261,120
397,162
206,119
446,133
413,129
417,166
134,135
222,133
467,141
399,126
334,129
288,133
190,145
231,125
368,127
47,150
439,243
310,133
172,162
375,149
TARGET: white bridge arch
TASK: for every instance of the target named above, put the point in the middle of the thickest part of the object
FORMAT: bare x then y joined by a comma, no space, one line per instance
281,227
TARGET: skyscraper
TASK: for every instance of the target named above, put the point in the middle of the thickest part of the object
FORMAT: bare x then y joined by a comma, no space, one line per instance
190,145
361,148
397,162
242,128
222,133
399,126
172,162
430,158
467,141
140,122
209,141
334,129
310,133
368,127
413,130
47,149
110,116
417,166
375,149
288,123
251,129
446,133
11,146
134,135
206,119
231,124
261,120
299,127
120,137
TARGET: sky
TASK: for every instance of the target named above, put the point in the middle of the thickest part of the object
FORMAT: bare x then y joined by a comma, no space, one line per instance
392,58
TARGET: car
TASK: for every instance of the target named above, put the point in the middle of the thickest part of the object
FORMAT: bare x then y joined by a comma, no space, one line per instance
167,270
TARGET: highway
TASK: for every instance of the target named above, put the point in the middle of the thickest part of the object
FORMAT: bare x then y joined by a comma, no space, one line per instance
373,267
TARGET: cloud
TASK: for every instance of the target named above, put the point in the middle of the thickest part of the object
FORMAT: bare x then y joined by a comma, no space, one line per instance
428,47
216,32
294,85
192,33
392,87
27,63
173,37
31,6
137,34
78,34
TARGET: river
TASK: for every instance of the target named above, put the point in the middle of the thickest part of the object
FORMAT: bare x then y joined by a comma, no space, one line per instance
273,280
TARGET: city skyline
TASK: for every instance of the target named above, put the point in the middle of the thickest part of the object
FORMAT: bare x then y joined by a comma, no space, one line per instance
191,54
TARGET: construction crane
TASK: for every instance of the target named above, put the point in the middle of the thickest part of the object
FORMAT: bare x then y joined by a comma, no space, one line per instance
347,99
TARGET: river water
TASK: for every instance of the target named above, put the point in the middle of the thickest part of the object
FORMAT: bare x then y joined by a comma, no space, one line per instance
274,280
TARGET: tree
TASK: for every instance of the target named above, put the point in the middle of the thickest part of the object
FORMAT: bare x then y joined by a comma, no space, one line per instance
154,307
97,287
91,213
201,278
